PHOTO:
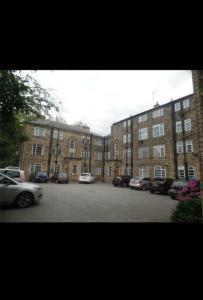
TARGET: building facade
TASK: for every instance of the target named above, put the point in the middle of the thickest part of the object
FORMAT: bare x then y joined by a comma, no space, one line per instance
165,141
54,147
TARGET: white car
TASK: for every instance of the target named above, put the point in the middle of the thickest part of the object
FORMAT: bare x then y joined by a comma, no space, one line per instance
20,194
86,177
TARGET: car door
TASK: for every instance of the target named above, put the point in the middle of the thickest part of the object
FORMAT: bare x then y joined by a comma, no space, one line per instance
8,190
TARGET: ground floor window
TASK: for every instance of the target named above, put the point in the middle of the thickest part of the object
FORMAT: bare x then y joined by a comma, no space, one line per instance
159,172
127,170
144,172
181,172
74,169
85,169
54,169
98,171
35,168
109,171
191,172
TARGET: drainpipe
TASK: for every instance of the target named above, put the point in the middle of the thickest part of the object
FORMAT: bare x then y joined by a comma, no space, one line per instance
103,166
183,136
50,150
174,139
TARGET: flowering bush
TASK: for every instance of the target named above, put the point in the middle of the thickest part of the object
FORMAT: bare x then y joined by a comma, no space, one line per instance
190,190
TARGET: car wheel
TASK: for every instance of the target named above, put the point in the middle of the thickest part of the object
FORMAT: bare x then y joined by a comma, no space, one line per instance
151,191
24,200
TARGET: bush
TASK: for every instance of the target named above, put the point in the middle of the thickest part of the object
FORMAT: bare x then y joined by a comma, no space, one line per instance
189,210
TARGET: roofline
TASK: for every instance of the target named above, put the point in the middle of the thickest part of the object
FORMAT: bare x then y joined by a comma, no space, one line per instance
54,125
146,111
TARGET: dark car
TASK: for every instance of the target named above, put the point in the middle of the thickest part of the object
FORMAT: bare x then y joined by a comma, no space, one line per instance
139,183
39,177
176,188
121,180
59,178
160,185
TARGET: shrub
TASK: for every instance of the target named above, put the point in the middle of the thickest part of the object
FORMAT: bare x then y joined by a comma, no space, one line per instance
189,210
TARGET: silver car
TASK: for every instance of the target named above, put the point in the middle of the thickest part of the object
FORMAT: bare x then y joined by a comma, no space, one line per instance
20,194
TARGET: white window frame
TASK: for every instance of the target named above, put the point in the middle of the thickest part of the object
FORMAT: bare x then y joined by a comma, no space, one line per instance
54,150
72,144
177,106
160,130
55,135
158,113
181,172
143,150
116,150
129,137
32,170
157,151
142,118
186,103
35,148
109,172
129,152
193,170
190,144
124,139
143,133
74,165
187,123
39,131
179,146
98,171
128,170
162,172
179,127
144,171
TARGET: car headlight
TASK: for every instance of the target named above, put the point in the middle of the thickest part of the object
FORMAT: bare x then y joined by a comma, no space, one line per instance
37,188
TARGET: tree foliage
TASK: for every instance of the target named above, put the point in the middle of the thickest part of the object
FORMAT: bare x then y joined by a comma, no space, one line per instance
21,99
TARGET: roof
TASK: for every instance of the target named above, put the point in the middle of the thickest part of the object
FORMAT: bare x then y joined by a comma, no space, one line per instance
154,108
59,125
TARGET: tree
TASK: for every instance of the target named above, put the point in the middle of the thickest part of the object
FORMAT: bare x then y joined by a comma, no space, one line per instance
21,99
80,124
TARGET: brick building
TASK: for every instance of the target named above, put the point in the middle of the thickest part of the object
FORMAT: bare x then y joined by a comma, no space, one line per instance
165,141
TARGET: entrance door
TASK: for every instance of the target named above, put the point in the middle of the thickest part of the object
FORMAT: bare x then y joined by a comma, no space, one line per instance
116,171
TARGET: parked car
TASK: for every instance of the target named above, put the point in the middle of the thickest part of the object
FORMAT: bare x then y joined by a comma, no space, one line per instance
86,178
59,178
20,194
39,177
160,185
176,188
139,183
18,175
122,180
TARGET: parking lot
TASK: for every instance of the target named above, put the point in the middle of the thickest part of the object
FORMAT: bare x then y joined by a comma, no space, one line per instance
98,202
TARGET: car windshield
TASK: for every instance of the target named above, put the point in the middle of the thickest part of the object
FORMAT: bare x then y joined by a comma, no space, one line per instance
41,173
6,180
12,173
62,174
179,183
85,174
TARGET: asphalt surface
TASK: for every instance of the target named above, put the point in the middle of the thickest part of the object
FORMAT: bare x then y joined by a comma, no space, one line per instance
98,202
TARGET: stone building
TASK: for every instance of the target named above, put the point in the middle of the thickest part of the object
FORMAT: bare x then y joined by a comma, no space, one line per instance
53,146
165,141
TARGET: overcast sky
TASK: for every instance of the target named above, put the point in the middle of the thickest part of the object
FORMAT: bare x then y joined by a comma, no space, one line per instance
99,98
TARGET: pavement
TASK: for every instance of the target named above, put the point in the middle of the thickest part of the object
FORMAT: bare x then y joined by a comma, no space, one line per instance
98,202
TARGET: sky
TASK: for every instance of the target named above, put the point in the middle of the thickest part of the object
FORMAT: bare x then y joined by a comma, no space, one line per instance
100,98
